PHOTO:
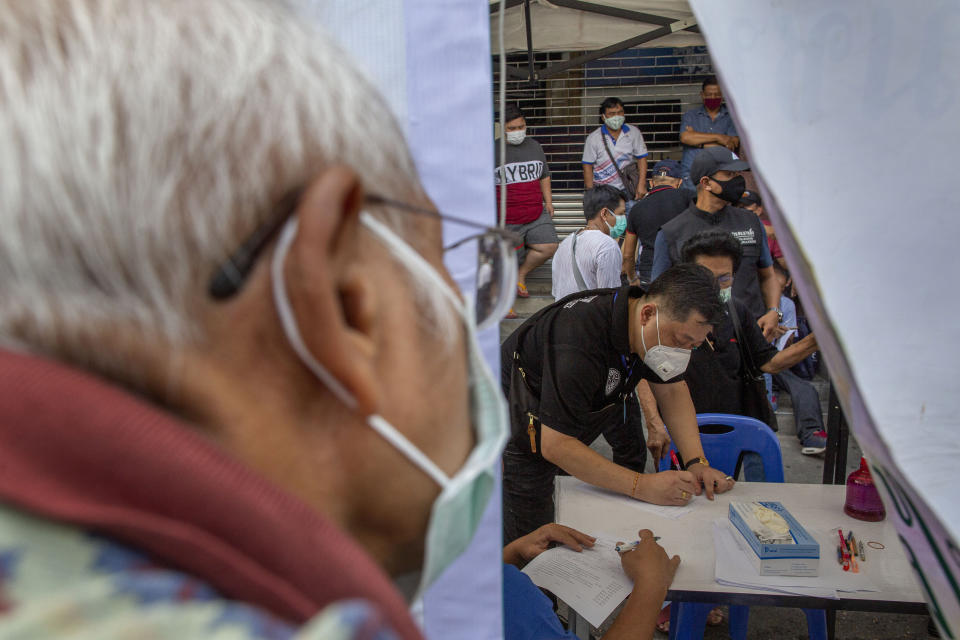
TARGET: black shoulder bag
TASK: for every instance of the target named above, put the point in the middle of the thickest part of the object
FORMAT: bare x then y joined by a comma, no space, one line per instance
629,176
753,388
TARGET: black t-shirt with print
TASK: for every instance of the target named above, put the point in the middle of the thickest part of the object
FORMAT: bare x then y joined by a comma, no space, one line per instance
576,354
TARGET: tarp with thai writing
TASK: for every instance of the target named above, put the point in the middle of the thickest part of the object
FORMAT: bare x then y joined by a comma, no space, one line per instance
849,112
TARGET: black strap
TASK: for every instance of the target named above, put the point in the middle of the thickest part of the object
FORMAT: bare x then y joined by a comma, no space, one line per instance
623,178
746,356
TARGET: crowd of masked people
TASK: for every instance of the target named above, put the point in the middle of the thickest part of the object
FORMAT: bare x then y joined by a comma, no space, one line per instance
673,299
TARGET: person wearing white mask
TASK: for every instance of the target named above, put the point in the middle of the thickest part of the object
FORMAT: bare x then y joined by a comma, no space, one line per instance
615,154
590,258
223,413
569,372
529,207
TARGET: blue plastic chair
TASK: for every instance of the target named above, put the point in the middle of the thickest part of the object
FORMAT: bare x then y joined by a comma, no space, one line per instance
724,447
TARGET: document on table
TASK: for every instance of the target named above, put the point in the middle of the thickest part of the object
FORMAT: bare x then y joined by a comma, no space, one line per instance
591,582
733,568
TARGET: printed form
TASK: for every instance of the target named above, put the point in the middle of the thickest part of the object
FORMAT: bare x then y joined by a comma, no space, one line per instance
591,582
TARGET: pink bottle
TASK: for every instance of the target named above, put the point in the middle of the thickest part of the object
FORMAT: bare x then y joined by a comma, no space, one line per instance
863,499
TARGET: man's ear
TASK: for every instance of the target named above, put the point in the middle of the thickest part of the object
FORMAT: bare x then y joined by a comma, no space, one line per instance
331,287
647,312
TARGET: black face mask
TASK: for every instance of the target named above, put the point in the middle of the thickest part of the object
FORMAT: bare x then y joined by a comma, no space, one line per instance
732,189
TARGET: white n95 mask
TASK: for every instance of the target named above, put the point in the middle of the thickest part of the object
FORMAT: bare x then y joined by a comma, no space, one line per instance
666,361
457,511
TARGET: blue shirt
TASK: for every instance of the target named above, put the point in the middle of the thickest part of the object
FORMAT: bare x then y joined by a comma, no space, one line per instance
700,120
527,613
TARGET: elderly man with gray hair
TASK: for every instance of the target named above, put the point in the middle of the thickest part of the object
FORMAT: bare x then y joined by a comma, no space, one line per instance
210,424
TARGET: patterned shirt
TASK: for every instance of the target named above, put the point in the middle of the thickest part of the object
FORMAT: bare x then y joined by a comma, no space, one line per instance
57,580
629,147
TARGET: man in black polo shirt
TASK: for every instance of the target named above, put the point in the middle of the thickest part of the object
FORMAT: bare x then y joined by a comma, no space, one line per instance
663,202
718,187
569,372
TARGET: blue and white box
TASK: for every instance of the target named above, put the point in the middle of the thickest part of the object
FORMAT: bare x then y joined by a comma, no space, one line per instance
780,545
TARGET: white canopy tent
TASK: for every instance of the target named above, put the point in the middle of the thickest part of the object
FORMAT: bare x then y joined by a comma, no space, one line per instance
575,25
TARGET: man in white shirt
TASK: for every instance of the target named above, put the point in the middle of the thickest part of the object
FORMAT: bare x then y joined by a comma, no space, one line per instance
590,258
615,140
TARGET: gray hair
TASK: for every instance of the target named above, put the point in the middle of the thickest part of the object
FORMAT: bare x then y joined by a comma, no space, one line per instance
142,142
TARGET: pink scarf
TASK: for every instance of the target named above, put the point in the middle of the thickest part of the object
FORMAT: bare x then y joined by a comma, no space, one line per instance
74,448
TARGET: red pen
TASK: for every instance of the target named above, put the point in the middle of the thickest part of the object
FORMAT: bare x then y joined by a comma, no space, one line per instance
674,463
846,553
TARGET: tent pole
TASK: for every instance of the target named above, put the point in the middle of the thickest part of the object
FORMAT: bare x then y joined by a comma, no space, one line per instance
659,32
526,18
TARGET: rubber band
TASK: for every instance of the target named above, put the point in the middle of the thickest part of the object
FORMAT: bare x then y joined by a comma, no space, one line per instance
873,544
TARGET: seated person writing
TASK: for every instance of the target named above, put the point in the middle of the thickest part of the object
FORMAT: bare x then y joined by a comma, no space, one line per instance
528,613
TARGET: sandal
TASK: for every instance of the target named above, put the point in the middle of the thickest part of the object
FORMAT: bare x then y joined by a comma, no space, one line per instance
663,620
714,619
522,290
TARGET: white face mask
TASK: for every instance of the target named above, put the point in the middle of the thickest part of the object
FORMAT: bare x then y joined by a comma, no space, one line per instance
457,511
614,122
516,137
668,362
725,294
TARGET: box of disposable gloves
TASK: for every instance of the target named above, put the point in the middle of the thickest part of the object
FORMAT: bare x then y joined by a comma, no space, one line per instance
781,546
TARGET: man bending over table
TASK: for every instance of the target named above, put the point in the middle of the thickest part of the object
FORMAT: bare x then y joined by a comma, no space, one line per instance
569,372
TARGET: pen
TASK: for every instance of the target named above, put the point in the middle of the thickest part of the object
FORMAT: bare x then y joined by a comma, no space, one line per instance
674,463
843,549
863,555
630,546
852,545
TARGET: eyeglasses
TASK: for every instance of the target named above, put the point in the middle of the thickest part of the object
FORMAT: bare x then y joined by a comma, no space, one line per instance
724,281
492,248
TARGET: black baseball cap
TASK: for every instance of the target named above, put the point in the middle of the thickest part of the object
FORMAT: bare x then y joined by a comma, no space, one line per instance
750,197
713,159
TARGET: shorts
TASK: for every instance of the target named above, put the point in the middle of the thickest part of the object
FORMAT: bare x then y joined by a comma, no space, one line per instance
539,231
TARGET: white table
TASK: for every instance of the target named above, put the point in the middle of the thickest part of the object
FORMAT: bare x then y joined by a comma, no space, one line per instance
817,506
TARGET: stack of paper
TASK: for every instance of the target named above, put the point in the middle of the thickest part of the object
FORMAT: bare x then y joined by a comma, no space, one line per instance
734,568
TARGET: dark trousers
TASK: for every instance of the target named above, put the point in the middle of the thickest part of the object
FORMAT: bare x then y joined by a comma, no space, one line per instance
528,479
806,402
527,492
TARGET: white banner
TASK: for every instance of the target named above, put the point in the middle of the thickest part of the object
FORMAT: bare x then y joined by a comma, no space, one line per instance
848,111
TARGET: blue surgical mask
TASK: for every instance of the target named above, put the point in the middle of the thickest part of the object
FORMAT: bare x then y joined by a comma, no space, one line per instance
621,225
457,511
